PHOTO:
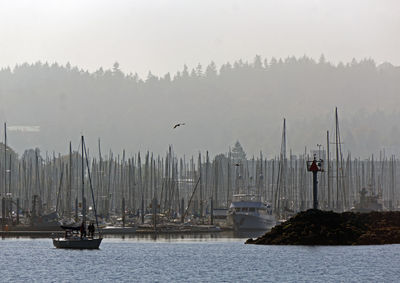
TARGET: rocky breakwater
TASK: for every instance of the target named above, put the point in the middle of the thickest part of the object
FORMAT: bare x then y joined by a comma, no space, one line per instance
316,227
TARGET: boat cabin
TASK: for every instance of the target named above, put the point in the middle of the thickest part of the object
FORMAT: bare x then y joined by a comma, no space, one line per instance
249,204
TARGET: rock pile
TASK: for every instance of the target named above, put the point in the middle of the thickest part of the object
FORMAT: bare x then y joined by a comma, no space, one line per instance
316,227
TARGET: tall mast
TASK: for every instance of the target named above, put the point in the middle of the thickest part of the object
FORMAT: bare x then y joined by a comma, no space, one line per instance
328,169
337,157
70,181
83,185
282,169
90,181
201,187
5,159
100,178
229,179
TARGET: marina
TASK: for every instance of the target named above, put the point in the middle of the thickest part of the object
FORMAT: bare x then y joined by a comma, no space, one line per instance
199,141
173,194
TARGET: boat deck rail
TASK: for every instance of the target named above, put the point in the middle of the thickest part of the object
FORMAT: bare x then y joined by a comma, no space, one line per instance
246,197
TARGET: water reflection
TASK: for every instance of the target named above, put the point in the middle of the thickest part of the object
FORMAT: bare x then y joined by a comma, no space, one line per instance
188,237
248,234
165,237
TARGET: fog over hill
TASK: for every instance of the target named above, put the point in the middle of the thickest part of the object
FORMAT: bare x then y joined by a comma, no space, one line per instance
241,100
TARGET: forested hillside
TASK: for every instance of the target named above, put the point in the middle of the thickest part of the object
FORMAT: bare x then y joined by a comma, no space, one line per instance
243,101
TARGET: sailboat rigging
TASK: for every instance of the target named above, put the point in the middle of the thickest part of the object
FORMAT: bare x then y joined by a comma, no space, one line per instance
72,240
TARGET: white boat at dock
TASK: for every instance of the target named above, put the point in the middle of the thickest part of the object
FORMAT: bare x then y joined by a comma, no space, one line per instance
248,212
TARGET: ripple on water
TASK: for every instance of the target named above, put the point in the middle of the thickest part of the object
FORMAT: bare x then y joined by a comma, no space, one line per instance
216,261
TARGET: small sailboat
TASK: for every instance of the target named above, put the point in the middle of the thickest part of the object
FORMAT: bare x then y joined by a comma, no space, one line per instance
75,236
73,239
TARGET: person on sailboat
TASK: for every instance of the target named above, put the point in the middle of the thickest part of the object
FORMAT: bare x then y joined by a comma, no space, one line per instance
83,230
91,229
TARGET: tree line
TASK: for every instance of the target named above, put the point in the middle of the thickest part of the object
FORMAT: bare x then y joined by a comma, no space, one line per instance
240,100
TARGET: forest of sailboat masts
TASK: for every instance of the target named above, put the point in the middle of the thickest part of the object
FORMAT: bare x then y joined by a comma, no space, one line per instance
131,183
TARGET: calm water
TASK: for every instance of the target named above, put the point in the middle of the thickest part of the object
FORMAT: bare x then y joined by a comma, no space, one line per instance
201,259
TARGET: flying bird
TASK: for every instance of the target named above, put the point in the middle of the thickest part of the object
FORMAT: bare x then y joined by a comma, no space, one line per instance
237,164
178,125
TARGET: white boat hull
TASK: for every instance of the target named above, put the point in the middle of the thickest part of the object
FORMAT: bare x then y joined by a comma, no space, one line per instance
246,222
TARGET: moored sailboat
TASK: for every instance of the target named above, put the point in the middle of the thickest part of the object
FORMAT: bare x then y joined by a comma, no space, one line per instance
75,237
248,212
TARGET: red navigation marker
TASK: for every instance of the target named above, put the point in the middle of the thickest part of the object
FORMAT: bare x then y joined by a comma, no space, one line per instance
314,167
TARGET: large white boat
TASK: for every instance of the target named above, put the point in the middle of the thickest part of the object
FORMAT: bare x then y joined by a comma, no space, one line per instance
248,212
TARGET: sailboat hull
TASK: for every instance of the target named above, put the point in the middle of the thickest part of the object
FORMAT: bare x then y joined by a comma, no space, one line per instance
90,244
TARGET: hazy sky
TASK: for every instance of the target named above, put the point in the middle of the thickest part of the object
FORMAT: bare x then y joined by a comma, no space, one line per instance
161,36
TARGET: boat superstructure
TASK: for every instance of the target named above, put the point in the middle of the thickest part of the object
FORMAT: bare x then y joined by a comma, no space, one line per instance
367,202
248,212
